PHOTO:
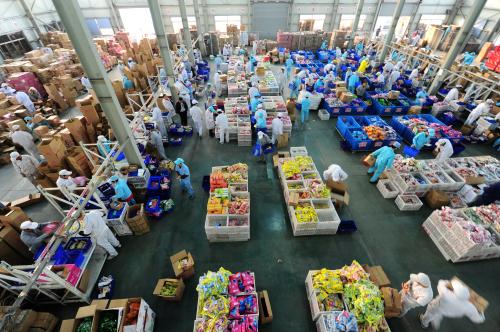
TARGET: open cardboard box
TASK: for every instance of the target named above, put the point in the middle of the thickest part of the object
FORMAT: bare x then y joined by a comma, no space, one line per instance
70,325
117,312
279,155
145,316
340,200
378,276
336,187
179,292
186,271
265,311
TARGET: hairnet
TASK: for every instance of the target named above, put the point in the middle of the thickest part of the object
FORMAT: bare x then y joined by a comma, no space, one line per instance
421,278
29,225
179,161
460,290
14,155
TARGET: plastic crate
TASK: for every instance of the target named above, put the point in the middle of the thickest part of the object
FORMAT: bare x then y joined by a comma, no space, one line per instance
410,152
298,151
404,205
154,211
72,240
356,144
323,114
387,188
346,122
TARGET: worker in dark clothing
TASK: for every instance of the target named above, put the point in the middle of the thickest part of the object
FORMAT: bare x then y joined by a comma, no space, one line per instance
490,194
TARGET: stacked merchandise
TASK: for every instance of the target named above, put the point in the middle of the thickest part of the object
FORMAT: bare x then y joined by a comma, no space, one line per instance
345,300
238,114
302,40
474,170
466,234
308,199
366,132
335,106
236,83
108,61
409,125
268,85
228,207
493,61
387,104
314,97
227,302
274,105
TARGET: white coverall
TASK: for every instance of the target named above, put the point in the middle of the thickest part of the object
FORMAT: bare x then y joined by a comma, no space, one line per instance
27,167
157,141
451,95
252,92
392,79
25,139
96,226
66,185
24,99
171,110
328,67
209,119
281,78
335,173
413,74
451,303
444,149
417,295
388,68
480,109
254,80
248,68
197,116
158,119
217,83
277,129
223,124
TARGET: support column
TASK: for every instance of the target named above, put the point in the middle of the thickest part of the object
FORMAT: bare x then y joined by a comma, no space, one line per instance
454,11
390,34
115,15
186,34
166,55
72,18
413,18
199,28
414,24
491,34
250,15
355,24
375,15
335,11
456,47
32,19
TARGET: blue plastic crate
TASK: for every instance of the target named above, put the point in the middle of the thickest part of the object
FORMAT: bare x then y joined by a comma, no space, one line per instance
346,122
153,210
154,183
410,152
457,149
72,240
357,144
175,141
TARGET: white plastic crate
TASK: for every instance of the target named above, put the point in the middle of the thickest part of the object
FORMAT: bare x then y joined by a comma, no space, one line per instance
387,188
405,206
323,114
298,151
403,186
309,282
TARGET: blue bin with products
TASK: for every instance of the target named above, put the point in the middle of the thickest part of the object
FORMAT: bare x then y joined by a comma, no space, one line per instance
358,140
346,122
83,246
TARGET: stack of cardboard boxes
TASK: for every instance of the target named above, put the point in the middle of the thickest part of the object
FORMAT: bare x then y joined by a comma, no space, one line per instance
30,321
183,266
302,40
12,249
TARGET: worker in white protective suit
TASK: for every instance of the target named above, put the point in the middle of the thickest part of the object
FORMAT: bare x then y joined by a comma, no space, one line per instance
156,140
452,94
222,123
158,119
277,128
253,91
65,182
335,173
7,89
281,80
392,79
254,80
95,226
416,292
388,67
444,149
217,83
197,116
26,140
380,79
481,109
86,83
169,107
25,165
413,74
24,99
453,302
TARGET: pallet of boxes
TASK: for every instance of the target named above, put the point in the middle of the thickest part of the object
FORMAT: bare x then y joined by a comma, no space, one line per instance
130,314
27,320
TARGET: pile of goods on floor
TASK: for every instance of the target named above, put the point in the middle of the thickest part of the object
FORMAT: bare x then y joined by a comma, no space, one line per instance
227,301
347,299
228,207
308,199
466,234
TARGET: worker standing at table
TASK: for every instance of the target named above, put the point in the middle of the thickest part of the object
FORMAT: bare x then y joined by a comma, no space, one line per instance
289,66
260,118
361,89
353,82
335,173
122,191
32,235
184,176
481,109
95,226
253,91
384,160
197,116
304,111
444,149
277,128
157,117
423,138
157,141
294,87
416,292
281,80
222,123
209,120
452,95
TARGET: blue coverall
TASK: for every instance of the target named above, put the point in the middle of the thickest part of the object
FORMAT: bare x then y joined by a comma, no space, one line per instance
295,92
353,81
469,58
260,121
253,104
123,192
304,113
319,84
289,66
420,140
324,45
421,97
359,47
185,180
127,84
384,159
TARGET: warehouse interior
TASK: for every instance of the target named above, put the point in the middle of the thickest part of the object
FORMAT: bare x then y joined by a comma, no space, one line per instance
245,165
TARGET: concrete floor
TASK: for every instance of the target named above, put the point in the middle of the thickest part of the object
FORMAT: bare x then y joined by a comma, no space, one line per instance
386,237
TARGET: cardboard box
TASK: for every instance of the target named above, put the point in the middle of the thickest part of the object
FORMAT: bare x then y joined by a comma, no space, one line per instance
393,94
415,109
45,322
27,200
54,150
265,311
18,122
283,140
137,220
346,97
279,155
477,300
15,217
21,321
368,161
340,200
90,113
392,302
145,317
437,198
378,276
77,130
41,131
99,312
68,325
474,179
11,237
466,129
187,270
178,293
10,255
336,187
293,198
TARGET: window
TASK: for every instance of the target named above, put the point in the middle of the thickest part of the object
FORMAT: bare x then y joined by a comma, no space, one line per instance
384,23
311,22
221,22
177,22
54,26
346,22
137,22
432,19
99,26
14,45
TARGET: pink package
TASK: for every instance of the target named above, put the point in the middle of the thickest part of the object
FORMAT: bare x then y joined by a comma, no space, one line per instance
80,180
242,305
241,282
244,324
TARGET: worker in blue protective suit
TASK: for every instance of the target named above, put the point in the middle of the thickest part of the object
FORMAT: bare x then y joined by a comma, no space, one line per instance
218,62
348,74
319,83
294,87
254,102
103,145
359,47
422,138
394,55
353,81
253,61
469,58
304,111
384,159
421,97
184,176
260,118
122,191
344,56
324,45
127,84
289,66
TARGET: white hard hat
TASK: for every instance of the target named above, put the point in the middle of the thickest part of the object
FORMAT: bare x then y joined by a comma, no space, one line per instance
460,290
16,127
65,172
29,225
194,101
421,278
